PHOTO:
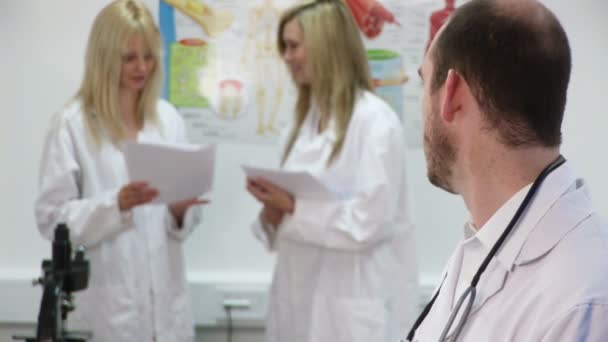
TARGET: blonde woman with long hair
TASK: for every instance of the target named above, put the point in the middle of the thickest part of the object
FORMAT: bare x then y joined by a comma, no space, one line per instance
346,268
137,289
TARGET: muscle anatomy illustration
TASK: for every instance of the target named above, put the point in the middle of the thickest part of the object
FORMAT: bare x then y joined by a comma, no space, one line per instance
370,16
438,18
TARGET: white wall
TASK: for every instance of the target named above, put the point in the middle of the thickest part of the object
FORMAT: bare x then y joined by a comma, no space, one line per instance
41,62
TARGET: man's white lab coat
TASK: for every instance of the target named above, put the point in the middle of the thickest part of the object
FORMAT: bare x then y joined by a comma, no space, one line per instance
346,268
549,281
137,288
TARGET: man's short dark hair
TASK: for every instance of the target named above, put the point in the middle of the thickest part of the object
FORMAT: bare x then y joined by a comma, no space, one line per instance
517,63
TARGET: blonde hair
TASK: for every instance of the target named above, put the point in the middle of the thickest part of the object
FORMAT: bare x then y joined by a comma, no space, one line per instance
99,92
338,64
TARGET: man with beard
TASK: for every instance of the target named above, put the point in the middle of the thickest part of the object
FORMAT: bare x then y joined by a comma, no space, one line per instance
533,263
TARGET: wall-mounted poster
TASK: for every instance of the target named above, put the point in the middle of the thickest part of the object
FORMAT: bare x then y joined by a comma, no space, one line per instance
227,79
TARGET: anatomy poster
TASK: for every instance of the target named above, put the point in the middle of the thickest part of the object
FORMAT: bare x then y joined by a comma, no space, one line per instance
225,75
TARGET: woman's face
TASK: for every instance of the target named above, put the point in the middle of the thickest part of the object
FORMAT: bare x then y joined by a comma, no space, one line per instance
295,53
137,64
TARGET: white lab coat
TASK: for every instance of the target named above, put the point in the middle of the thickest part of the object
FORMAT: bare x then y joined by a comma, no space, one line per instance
549,281
346,269
137,288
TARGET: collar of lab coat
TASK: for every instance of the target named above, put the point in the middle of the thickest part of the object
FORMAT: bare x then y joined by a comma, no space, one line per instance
494,227
537,233
564,216
509,255
330,131
311,124
531,239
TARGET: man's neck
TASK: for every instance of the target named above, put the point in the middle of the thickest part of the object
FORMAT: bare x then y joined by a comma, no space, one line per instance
491,179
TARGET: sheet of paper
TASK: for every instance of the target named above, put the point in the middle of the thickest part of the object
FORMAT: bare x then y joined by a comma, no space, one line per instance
300,184
177,171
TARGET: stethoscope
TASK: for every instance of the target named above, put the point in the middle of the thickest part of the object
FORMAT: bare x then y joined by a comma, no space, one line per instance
470,292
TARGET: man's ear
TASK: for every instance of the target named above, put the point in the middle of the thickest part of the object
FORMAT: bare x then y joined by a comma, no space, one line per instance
451,103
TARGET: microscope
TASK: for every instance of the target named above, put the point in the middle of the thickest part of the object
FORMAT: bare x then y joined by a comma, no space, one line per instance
61,276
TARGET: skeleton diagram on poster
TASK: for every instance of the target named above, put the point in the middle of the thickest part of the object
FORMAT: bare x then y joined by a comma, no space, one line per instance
226,77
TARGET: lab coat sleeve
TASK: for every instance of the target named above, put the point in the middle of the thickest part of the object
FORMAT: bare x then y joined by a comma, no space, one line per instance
90,220
585,322
175,131
265,233
192,218
360,220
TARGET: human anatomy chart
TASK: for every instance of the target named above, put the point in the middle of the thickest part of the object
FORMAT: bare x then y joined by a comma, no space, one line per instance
226,77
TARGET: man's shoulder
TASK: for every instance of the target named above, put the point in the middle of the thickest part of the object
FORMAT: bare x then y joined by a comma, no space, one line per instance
565,258
575,270
583,252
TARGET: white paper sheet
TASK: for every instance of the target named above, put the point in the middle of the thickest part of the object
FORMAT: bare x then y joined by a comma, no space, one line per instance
299,184
177,171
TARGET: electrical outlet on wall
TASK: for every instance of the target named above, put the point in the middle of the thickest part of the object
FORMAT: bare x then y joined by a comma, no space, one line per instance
247,304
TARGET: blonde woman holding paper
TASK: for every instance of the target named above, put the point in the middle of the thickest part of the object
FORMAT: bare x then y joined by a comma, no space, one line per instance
137,288
346,268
